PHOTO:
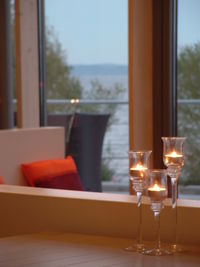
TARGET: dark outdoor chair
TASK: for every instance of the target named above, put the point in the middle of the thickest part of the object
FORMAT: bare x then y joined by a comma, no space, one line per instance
63,120
84,140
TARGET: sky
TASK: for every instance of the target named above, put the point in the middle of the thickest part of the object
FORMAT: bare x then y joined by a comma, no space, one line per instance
188,22
91,31
96,31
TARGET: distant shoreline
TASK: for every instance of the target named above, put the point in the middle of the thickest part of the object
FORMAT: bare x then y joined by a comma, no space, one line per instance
99,69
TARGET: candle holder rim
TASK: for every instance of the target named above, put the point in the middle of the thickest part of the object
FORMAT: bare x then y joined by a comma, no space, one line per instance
173,137
139,151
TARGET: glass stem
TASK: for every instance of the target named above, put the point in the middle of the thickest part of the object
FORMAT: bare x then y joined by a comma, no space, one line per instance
174,207
174,192
157,218
139,233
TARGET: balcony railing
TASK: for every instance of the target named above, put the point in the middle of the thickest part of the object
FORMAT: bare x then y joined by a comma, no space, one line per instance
114,102
85,102
189,101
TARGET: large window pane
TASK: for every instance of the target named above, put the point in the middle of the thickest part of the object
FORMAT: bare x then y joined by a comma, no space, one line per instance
86,56
189,94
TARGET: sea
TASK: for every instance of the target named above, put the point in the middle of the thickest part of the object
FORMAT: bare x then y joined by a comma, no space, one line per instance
116,139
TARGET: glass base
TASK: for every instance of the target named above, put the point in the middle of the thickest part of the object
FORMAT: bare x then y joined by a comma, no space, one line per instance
157,252
135,248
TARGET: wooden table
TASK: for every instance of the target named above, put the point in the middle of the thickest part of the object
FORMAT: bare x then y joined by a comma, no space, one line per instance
58,249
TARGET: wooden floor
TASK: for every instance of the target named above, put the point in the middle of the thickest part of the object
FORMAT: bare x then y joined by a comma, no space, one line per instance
56,249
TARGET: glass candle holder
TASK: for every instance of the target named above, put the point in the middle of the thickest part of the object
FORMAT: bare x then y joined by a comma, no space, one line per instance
138,166
157,192
173,158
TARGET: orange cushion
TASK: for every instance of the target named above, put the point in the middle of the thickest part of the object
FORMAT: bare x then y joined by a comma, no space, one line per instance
45,169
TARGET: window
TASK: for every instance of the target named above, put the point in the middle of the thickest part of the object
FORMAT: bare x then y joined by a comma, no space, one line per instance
189,94
87,59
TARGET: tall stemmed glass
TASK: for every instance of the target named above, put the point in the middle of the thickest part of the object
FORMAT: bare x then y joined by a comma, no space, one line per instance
138,166
157,192
173,157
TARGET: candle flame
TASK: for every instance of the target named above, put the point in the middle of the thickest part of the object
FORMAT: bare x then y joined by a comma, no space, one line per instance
138,167
156,187
174,154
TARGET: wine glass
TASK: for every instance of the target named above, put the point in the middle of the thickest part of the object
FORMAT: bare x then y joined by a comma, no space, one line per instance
157,192
138,166
173,157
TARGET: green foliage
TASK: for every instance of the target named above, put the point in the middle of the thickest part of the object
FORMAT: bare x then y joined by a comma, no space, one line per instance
60,83
189,115
106,172
99,92
188,72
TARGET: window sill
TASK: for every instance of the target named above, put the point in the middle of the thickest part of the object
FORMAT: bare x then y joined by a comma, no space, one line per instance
29,210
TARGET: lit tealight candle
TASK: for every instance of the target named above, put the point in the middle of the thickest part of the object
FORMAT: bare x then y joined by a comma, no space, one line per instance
174,154
138,167
173,158
157,193
138,170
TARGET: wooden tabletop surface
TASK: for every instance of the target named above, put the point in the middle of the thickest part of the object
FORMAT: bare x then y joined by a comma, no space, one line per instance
58,249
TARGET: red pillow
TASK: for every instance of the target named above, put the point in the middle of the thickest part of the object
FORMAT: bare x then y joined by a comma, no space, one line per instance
69,181
58,172
2,180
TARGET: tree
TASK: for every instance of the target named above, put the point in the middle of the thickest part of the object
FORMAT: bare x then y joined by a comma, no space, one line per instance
189,115
60,83
99,92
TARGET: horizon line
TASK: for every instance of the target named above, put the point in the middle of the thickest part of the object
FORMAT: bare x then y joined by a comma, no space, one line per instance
97,64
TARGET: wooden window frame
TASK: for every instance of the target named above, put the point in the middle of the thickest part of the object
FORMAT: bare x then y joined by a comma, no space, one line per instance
164,75
27,63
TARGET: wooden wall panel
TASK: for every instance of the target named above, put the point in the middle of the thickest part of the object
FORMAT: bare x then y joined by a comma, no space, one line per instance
27,68
140,74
